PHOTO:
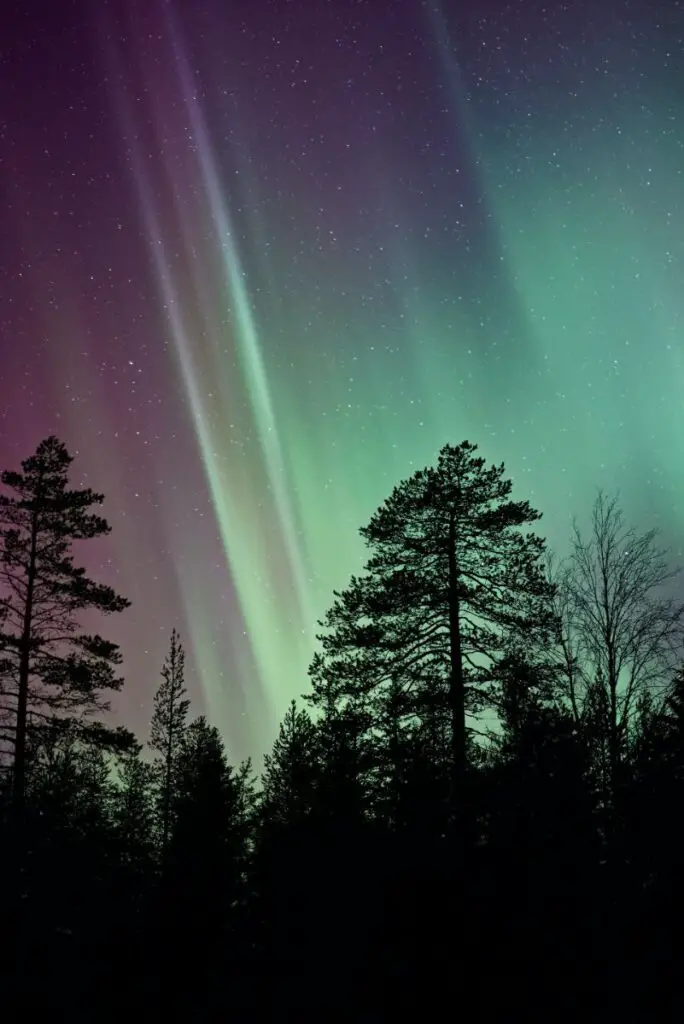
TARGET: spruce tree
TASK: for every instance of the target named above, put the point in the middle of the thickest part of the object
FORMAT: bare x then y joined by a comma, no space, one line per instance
284,860
134,863
292,770
208,847
67,834
539,855
133,812
168,728
653,843
48,666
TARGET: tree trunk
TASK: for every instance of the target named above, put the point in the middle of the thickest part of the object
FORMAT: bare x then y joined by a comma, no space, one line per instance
19,773
456,683
613,737
167,793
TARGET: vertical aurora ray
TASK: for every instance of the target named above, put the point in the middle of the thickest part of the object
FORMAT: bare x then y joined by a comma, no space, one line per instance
249,492
249,347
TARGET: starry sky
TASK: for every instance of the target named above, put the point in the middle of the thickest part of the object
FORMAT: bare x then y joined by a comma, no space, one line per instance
260,260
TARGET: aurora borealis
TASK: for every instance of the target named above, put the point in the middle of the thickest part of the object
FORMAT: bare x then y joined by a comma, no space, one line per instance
259,261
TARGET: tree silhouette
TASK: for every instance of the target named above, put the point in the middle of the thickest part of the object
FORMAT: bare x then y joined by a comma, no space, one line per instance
647,811
133,815
49,667
461,802
208,848
291,770
212,808
621,636
132,879
453,580
167,730
66,835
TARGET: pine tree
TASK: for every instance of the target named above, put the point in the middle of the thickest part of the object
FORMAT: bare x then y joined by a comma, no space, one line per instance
292,770
134,874
454,580
208,848
48,667
68,831
133,811
539,847
167,731
287,822
653,846
203,795
313,872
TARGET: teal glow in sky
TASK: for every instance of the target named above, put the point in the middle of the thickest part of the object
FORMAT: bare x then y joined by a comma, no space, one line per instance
261,268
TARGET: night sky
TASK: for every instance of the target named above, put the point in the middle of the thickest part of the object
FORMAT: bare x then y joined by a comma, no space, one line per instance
260,260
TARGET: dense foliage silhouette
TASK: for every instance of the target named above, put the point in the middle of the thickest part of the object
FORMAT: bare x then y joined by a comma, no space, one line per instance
476,808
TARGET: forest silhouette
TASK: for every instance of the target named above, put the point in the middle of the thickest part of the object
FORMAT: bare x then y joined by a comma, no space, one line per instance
472,812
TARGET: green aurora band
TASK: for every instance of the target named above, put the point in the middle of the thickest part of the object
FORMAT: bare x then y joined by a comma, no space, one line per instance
554,342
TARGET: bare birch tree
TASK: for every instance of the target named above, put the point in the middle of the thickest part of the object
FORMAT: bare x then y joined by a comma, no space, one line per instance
620,632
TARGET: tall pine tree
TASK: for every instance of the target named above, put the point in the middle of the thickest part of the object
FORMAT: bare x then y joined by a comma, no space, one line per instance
454,581
49,667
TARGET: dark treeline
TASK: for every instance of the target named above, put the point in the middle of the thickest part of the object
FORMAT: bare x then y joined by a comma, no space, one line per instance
474,811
